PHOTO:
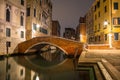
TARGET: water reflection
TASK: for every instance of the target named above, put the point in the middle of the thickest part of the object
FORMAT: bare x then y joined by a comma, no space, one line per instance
46,55
46,62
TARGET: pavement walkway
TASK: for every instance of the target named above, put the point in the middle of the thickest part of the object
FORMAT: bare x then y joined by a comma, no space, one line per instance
112,56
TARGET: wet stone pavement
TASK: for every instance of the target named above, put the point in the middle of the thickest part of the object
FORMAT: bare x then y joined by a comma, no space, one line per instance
112,56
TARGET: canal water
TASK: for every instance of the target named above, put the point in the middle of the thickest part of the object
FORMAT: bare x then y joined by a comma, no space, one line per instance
45,62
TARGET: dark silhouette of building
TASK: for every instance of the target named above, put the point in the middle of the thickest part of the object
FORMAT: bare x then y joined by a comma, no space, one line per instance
55,28
81,30
69,33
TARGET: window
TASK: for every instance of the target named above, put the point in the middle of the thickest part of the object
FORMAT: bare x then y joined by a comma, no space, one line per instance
8,77
22,34
34,12
28,11
40,2
95,16
115,5
105,37
39,16
22,19
115,36
99,14
95,8
116,21
99,27
95,38
34,26
98,4
22,2
105,9
44,17
8,44
8,8
21,72
95,28
43,30
104,0
8,32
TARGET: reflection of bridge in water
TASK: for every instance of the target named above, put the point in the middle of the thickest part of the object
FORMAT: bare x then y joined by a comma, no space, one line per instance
50,61
67,46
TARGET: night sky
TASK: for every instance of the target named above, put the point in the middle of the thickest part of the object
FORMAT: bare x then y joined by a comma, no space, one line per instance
68,12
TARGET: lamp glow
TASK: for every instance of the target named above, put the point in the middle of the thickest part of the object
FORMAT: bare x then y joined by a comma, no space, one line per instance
37,78
105,23
38,25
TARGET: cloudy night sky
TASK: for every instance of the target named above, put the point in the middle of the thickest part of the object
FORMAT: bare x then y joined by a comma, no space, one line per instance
68,12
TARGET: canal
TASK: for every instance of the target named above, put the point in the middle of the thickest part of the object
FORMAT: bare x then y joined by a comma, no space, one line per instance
43,62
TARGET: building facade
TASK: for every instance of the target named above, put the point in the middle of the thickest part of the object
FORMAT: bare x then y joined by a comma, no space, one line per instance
56,28
39,18
22,20
106,22
12,24
89,26
69,33
81,30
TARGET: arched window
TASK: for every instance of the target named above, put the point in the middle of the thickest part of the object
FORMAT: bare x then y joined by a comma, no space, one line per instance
22,19
22,2
8,15
8,7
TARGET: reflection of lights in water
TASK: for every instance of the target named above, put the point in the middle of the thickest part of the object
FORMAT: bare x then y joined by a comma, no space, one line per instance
37,78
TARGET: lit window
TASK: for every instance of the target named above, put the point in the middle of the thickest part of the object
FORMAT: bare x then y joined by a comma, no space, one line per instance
115,5
116,21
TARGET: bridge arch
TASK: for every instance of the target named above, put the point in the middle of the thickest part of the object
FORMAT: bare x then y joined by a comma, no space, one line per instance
47,43
68,46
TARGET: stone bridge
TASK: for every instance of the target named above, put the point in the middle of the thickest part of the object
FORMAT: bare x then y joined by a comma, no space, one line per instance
66,45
